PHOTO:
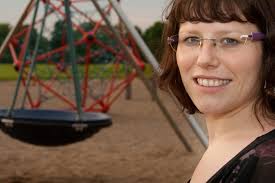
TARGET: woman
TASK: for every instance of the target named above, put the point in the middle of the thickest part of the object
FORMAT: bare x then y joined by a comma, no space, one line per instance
220,61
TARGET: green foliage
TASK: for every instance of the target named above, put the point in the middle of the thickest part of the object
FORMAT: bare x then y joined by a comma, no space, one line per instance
4,30
58,38
58,35
43,44
152,37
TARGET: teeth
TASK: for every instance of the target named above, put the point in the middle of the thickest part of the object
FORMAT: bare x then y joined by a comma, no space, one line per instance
212,82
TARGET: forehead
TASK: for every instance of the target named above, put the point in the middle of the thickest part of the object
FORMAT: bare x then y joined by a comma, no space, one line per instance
216,27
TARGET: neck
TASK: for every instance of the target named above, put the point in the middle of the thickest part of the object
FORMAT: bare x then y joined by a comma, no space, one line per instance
234,126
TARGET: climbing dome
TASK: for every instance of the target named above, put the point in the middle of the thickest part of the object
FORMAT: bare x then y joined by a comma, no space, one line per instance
78,53
104,71
70,70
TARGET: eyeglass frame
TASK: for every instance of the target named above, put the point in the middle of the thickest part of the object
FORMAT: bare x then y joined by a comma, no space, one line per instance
253,36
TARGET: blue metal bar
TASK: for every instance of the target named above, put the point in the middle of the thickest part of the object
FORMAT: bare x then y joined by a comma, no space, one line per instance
23,64
72,58
37,43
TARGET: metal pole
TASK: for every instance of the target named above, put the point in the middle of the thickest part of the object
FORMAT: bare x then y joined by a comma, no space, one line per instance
15,28
147,53
151,59
32,66
143,78
196,128
22,67
128,93
72,57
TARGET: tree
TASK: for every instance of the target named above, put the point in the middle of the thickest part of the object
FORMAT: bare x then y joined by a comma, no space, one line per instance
152,37
4,30
58,35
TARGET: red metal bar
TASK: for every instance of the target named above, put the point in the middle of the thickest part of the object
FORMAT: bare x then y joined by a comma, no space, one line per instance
24,46
86,75
57,50
49,89
101,100
32,104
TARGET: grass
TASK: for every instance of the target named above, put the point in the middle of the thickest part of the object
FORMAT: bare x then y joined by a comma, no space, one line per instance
7,71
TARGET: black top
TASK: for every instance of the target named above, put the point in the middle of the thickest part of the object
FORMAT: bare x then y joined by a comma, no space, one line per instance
254,164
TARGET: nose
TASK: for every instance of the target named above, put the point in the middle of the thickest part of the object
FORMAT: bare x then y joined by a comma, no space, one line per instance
207,54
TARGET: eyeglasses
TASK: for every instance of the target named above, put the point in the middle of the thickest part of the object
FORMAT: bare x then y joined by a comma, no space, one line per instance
190,42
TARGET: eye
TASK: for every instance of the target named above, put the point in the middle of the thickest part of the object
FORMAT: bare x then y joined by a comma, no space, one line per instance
191,41
229,42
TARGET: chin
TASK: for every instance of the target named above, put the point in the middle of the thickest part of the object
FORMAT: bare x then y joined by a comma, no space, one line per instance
211,110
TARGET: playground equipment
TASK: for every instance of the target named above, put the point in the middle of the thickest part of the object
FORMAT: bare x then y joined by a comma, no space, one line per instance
93,90
151,59
103,71
51,127
48,127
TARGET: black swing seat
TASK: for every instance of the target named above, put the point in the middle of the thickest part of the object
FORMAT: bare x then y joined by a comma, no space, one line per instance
51,127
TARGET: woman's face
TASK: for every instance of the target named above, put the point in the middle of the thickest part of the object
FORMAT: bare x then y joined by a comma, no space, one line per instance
221,76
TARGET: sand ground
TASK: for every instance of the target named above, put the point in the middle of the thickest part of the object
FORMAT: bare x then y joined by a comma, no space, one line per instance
140,147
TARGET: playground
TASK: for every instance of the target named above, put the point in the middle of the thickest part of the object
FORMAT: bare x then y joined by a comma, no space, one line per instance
140,147
83,108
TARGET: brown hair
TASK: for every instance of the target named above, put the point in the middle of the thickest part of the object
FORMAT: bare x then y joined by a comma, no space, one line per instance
259,12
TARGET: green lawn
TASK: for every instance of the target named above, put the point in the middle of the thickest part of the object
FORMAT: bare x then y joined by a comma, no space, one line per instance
7,71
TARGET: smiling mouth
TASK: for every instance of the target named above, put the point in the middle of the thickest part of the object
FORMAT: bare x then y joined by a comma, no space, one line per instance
212,82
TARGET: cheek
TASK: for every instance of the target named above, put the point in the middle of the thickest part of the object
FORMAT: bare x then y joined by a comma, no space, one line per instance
184,63
246,63
246,69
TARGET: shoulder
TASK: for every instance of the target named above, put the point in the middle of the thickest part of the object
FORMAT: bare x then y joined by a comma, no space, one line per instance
255,166
265,166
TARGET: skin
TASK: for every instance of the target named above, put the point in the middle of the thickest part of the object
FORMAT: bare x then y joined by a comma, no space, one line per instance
228,109
235,66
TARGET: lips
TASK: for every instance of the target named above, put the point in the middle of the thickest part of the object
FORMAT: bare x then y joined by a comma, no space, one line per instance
211,81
